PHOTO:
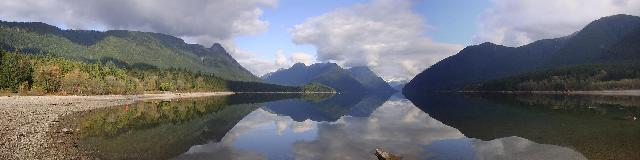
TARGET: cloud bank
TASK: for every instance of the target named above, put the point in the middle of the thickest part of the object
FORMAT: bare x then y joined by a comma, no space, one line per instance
515,23
383,34
203,21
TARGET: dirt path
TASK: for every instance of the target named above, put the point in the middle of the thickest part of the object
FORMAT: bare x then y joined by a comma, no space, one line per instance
25,120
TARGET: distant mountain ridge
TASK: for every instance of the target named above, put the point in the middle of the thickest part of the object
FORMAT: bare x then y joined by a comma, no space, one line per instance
356,79
125,48
369,79
612,39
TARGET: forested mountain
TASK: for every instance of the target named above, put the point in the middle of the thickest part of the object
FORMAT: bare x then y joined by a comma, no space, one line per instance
124,48
609,40
357,79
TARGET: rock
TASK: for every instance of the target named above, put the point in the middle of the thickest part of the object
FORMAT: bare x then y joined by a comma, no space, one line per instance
67,131
384,155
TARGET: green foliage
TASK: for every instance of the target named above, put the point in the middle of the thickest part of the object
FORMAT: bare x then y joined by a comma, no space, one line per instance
37,74
166,86
584,77
14,71
317,87
239,86
52,75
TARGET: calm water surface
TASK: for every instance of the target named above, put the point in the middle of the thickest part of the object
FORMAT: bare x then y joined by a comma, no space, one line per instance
290,126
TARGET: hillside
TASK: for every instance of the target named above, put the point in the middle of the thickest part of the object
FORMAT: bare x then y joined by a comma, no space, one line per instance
124,48
609,40
369,79
329,74
581,77
47,75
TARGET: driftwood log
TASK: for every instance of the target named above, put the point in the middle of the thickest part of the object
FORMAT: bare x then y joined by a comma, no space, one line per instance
384,155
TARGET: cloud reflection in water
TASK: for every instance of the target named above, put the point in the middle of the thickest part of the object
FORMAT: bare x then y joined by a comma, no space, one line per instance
397,126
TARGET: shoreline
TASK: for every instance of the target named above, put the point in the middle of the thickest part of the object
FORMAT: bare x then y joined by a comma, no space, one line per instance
600,92
28,119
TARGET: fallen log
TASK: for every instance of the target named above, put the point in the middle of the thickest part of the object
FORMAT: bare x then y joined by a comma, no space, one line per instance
384,155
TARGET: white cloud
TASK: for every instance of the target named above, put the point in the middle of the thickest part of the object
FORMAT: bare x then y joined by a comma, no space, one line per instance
300,57
205,21
260,65
514,23
383,34
281,60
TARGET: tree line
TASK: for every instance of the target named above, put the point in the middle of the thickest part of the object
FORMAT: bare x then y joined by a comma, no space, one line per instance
583,77
43,75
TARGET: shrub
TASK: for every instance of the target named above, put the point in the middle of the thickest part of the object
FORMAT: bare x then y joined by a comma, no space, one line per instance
166,86
48,78
115,85
76,82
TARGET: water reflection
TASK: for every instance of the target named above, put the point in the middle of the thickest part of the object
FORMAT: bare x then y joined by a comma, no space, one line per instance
600,127
291,126
330,109
163,129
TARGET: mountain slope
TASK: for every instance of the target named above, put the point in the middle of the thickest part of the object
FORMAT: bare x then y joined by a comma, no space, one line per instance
329,74
598,42
369,79
125,48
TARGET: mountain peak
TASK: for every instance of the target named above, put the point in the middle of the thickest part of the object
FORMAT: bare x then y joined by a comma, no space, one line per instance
325,65
487,44
370,79
299,65
616,25
618,17
216,47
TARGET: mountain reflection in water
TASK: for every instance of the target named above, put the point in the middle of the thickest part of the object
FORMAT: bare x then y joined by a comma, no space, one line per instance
599,127
267,126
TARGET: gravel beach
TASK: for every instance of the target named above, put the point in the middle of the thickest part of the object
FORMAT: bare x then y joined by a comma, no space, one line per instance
26,120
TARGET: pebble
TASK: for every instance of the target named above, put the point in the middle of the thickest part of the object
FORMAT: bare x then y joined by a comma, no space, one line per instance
67,131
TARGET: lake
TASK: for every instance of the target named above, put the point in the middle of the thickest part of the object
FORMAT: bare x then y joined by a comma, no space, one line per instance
352,126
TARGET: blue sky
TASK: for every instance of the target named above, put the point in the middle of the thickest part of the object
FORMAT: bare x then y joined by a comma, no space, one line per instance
449,22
